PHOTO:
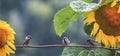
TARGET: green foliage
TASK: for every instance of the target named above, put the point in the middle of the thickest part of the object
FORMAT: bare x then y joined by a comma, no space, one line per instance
72,51
103,52
63,18
80,51
118,52
92,53
88,1
107,1
61,22
88,28
84,15
83,53
75,16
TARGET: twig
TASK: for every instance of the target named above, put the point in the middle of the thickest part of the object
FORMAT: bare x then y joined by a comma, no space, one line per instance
50,46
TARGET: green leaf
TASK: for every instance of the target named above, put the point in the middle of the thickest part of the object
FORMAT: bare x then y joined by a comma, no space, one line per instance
83,53
91,53
88,1
107,1
77,51
118,52
103,52
88,28
63,18
84,15
75,16
72,51
103,2
87,53
80,51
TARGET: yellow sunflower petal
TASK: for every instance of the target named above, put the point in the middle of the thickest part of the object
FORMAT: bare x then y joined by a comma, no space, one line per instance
10,50
118,38
94,30
90,18
6,36
118,9
105,41
11,45
11,38
99,36
112,41
8,53
114,3
2,52
12,41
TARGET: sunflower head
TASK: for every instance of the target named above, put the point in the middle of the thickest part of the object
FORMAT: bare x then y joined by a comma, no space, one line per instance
6,39
106,21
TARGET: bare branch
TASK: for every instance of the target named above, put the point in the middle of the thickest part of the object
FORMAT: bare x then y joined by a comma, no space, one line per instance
51,46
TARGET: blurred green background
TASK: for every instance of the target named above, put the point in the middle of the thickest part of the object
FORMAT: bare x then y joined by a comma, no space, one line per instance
35,17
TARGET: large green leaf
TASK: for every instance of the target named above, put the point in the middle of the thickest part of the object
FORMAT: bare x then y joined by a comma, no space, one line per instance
80,51
107,1
72,51
87,53
103,52
118,52
92,53
75,16
88,1
103,2
63,18
77,51
83,53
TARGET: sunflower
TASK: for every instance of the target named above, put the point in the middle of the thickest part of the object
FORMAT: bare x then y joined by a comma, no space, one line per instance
106,21
6,39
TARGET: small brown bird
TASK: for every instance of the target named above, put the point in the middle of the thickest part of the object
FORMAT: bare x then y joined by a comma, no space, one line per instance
65,41
27,40
92,42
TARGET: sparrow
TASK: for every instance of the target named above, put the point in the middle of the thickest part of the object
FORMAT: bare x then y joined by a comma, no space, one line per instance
27,40
65,41
92,42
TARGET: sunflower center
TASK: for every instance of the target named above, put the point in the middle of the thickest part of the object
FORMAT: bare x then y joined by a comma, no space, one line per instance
108,19
3,40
